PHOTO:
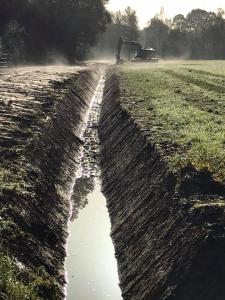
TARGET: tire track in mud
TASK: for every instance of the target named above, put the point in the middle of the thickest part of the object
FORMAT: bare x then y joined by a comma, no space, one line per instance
196,81
196,95
205,73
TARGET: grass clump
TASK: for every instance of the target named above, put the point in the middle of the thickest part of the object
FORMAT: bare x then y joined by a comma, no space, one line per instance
18,283
177,110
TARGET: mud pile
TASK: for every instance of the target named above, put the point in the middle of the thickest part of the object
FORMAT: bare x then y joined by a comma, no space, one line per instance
168,231
42,112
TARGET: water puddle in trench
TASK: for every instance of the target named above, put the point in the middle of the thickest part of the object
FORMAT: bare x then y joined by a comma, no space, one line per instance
91,265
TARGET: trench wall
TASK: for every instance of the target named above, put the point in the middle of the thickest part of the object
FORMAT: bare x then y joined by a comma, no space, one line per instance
40,212
168,240
56,153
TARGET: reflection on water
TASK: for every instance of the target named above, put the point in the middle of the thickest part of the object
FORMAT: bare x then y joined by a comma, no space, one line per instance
91,265
89,156
83,186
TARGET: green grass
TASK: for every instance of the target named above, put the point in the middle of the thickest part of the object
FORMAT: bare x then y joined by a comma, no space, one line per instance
19,283
181,106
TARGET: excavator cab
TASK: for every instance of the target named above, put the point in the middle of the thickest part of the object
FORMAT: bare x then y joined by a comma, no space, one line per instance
142,55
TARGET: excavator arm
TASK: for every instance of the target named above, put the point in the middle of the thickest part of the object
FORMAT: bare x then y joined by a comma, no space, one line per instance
122,42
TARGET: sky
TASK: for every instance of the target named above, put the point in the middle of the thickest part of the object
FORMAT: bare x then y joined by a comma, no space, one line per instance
146,9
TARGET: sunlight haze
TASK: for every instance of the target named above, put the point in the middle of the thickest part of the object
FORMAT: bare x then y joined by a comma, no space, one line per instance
147,9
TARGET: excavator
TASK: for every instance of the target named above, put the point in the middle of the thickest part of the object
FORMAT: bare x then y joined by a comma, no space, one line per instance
142,55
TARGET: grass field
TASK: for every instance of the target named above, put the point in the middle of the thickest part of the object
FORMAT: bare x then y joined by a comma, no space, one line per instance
181,107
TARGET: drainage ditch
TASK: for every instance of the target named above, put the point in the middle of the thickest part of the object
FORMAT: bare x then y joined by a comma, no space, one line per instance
91,265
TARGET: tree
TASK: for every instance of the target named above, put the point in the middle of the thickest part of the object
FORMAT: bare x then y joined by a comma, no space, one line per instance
198,20
156,36
129,23
180,23
12,10
124,24
68,27
201,35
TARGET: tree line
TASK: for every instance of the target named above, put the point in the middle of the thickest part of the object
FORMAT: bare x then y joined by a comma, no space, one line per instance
36,30
199,35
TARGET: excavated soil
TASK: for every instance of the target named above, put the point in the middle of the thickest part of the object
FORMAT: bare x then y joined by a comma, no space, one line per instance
168,229
42,111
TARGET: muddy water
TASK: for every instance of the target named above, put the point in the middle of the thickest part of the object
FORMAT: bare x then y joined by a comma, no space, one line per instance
91,265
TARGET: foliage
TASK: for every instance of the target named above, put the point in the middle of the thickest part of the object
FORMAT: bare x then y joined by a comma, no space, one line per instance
127,18
156,36
183,114
124,24
51,27
200,35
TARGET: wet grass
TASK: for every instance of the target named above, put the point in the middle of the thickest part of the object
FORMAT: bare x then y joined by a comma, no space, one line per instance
19,283
181,105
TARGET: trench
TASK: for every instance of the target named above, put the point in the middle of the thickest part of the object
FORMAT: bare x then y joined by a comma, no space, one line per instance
91,266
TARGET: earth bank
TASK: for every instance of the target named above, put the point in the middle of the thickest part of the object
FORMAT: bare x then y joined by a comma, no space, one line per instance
42,113
168,228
